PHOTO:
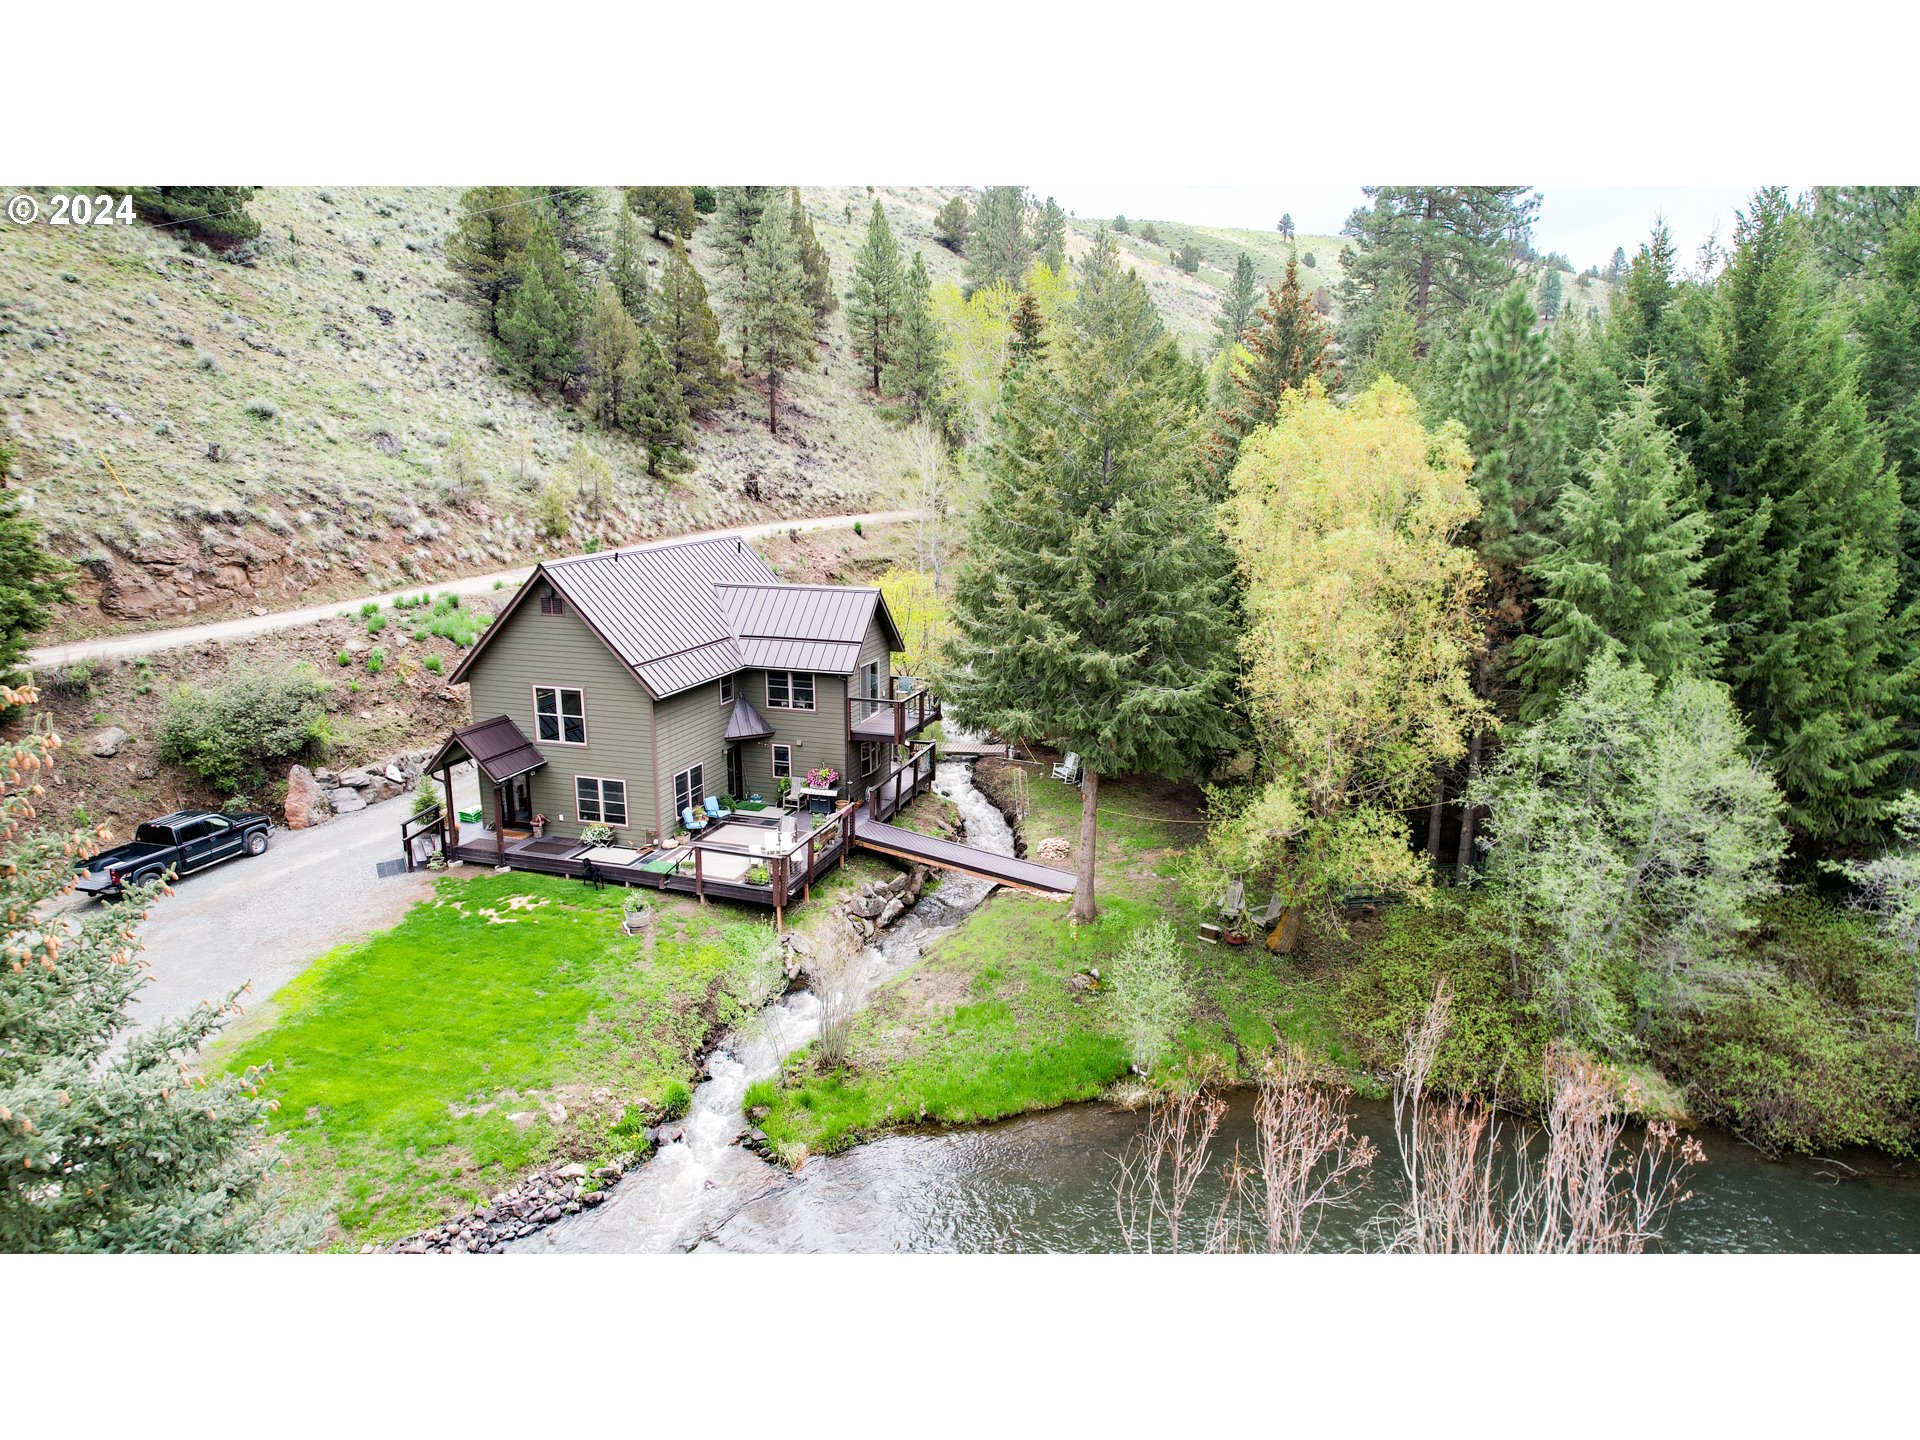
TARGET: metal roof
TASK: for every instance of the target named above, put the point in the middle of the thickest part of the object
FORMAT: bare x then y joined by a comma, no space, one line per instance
746,723
497,746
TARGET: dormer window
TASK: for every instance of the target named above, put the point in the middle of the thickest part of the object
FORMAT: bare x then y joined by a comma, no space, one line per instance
551,603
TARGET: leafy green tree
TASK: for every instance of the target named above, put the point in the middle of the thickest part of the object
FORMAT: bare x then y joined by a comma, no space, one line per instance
488,240
231,734
32,579
1887,321
1806,521
1889,887
1551,296
1627,575
668,209
104,1147
1152,993
917,353
1236,303
539,321
1632,832
1050,234
1454,247
815,268
215,215
689,336
1000,244
1286,343
873,318
776,319
627,268
1091,609
953,225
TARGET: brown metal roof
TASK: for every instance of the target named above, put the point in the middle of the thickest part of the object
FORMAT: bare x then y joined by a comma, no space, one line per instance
746,723
497,746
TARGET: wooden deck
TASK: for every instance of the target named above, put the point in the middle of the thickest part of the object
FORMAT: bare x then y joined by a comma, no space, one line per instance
911,846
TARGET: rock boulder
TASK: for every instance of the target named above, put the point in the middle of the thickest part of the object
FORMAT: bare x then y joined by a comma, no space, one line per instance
306,801
108,742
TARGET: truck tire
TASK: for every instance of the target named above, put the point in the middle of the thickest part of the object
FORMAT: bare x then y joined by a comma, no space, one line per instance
147,877
257,843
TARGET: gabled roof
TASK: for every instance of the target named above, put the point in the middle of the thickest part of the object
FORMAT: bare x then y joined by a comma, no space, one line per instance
747,723
497,746
685,613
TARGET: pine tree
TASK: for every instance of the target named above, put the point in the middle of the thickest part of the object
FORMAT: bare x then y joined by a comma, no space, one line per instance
667,208
776,320
735,217
874,315
215,215
1091,613
1029,331
579,217
1806,521
109,1147
1887,321
917,350
953,225
1000,245
1285,227
1395,347
1050,235
816,270
689,336
659,412
631,386
32,579
1627,575
484,250
1617,266
539,322
1236,303
1852,223
1551,296
1287,342
1454,247
627,268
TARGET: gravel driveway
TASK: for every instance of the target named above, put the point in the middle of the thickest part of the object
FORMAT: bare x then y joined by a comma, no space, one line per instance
265,919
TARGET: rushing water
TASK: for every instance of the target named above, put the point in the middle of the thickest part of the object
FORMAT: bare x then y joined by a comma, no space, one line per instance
1045,1182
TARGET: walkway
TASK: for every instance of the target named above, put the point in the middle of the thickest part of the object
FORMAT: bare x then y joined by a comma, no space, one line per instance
912,846
121,646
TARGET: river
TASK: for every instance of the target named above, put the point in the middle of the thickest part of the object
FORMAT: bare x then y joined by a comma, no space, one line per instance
1044,1183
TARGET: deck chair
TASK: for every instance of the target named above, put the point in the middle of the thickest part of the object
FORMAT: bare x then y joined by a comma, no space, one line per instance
715,810
1068,769
694,823
1233,904
1270,917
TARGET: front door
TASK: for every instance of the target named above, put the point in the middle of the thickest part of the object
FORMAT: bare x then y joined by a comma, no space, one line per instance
736,774
518,803
873,680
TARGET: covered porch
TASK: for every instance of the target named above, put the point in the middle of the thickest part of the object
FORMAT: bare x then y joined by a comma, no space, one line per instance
491,806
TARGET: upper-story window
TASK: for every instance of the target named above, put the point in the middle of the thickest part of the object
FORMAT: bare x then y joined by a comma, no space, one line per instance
560,714
789,690
726,689
551,603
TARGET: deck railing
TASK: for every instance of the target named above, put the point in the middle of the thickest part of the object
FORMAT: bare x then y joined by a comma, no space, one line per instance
411,830
903,714
891,792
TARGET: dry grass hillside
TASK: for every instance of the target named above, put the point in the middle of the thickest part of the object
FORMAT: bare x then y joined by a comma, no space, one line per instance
280,428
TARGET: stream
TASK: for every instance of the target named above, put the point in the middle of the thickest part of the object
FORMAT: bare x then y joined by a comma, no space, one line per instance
1044,1182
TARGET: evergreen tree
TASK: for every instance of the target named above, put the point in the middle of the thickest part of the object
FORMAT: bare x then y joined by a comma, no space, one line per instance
667,208
1285,227
736,215
32,579
1029,331
953,225
1806,521
1627,575
1551,296
1236,303
539,321
689,336
815,268
1887,320
578,214
1395,347
1287,342
776,318
1120,225
627,268
1050,235
658,414
631,386
999,245
874,315
1851,223
105,1147
484,250
1617,266
917,349
1092,612
1189,258
1454,247
215,215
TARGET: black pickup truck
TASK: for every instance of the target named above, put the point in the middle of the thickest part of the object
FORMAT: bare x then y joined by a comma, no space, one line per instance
180,843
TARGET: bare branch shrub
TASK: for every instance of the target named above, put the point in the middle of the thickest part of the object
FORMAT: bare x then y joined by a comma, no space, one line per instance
1306,1162
1161,1168
837,975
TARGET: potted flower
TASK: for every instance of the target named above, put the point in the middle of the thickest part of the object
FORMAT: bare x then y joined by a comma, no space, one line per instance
823,778
597,835
539,826
759,875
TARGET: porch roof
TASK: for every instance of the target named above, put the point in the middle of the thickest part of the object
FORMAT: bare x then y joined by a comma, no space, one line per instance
497,746
746,723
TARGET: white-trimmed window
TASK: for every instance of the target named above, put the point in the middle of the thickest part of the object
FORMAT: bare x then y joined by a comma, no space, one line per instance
689,790
869,757
783,762
789,690
560,714
726,689
600,801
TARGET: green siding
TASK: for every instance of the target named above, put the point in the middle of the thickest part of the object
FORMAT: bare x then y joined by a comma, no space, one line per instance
692,729
534,649
819,736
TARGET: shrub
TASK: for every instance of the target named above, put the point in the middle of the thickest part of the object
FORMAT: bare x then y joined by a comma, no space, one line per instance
435,664
370,609
344,658
1309,260
1152,994
426,797
261,409
759,875
857,528
376,660
676,1101
228,734
596,835
376,623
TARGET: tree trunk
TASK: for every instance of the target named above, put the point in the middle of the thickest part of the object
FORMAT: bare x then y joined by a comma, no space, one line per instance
1464,861
1436,813
773,398
1083,906
1287,933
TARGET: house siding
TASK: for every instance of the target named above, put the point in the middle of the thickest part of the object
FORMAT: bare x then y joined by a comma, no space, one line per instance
818,736
534,649
692,730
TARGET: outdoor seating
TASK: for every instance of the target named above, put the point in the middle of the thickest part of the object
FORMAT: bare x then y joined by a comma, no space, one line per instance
694,823
1068,769
715,810
1270,916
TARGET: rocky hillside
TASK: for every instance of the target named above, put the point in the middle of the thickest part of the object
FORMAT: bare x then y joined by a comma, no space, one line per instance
277,429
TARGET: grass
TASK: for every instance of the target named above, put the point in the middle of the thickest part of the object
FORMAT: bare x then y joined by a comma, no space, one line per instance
448,619
502,1022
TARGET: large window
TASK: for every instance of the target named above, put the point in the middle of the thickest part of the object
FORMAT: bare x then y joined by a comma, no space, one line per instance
600,801
689,790
560,715
789,690
782,762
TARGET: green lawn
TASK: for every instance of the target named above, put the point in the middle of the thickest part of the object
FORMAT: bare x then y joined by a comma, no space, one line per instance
423,1068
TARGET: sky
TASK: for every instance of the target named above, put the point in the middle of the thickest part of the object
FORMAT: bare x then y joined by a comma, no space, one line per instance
1582,222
